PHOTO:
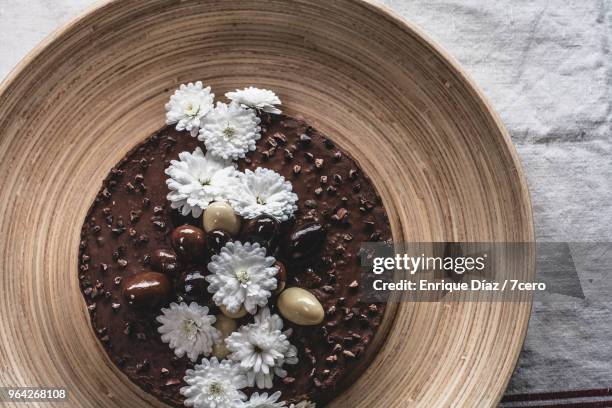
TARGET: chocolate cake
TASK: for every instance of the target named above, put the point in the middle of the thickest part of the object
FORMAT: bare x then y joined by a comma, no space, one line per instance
139,255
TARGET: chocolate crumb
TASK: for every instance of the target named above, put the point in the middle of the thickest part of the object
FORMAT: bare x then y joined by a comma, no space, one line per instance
280,138
172,381
305,139
328,289
310,204
143,366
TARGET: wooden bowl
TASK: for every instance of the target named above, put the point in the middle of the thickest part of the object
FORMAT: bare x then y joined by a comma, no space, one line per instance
443,164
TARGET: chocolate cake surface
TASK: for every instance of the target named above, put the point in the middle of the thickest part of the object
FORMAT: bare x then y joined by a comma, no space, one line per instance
131,223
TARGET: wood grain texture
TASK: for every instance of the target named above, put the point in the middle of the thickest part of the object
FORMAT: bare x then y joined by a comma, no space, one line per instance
439,156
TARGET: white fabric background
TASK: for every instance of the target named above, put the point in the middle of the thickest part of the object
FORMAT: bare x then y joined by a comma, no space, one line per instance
547,68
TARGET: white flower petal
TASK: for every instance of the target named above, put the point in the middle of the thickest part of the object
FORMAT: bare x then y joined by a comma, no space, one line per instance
230,131
242,275
196,180
214,384
255,98
188,329
264,401
189,104
261,349
263,191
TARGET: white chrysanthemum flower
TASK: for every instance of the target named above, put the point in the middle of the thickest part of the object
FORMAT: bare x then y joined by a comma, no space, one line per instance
189,104
242,275
196,180
230,131
263,401
304,404
255,98
214,385
188,329
263,191
261,349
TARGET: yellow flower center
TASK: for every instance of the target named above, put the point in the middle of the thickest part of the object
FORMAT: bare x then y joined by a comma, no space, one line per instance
215,389
229,131
190,328
243,277
191,109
